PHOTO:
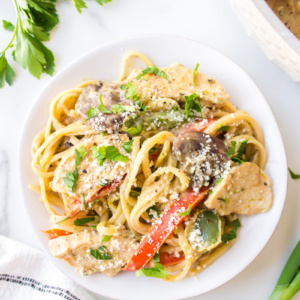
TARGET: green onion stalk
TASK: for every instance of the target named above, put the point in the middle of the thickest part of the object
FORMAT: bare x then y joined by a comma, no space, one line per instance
288,284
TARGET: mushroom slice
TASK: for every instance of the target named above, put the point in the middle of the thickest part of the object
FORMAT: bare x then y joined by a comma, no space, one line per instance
111,95
79,249
202,156
205,232
178,85
245,190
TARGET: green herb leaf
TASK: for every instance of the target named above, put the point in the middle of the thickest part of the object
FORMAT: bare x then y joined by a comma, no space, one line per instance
71,179
223,128
6,72
99,154
100,255
107,152
191,103
78,157
79,5
135,131
154,208
293,175
156,257
210,192
242,148
237,160
8,26
135,192
132,94
232,234
231,150
127,146
82,151
158,271
106,238
102,248
102,108
153,70
82,221
194,74
91,113
185,213
218,181
118,108
101,2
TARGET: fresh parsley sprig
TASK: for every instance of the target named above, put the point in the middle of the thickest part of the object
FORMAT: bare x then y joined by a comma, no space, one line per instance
34,21
107,152
153,70
131,93
192,102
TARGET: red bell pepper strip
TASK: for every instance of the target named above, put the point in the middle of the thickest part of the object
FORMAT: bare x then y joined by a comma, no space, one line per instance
164,227
196,126
170,259
55,233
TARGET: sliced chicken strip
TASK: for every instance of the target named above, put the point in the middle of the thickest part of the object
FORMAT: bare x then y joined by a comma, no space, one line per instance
179,84
245,190
111,95
76,250
92,177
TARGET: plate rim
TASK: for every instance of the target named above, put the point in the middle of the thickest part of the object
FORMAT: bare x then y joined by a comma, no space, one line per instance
22,141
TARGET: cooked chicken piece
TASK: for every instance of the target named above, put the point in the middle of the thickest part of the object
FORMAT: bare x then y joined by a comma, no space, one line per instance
111,95
76,250
92,177
178,85
245,190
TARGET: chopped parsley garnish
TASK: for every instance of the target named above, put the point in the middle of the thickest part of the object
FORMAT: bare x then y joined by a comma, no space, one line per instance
106,238
79,222
194,74
8,26
223,128
192,103
107,152
91,113
100,255
242,148
135,131
210,192
82,151
293,175
153,70
231,150
135,192
185,213
102,108
155,209
127,146
132,94
232,234
71,177
118,108
104,181
218,181
156,257
237,160
103,133
158,271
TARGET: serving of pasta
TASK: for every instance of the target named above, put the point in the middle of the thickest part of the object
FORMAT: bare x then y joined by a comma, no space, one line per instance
149,173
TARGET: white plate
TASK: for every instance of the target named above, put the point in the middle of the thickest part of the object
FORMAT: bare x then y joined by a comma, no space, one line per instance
103,63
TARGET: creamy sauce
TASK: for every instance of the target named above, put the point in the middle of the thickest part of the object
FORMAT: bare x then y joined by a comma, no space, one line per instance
288,11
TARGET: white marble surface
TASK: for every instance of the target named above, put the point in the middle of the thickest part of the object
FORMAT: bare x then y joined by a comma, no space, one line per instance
211,22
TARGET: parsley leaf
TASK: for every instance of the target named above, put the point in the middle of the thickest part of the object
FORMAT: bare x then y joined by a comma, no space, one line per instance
91,113
71,179
82,221
242,148
8,26
293,175
185,213
106,238
102,108
78,157
237,160
127,146
6,72
79,5
158,271
223,128
118,108
100,255
153,70
232,234
132,94
191,104
103,1
135,131
82,151
107,152
154,208
218,181
194,74
156,257
231,150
